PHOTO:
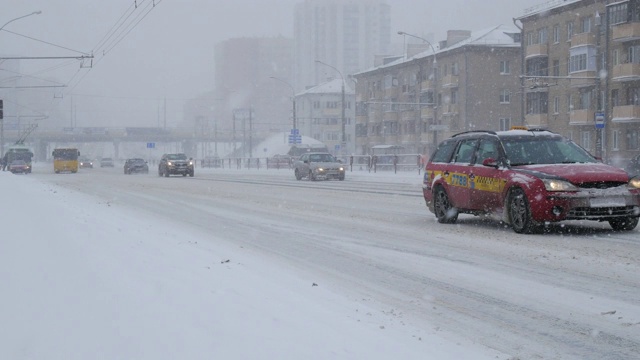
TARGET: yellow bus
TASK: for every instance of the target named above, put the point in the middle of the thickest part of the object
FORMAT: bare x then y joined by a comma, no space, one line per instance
65,160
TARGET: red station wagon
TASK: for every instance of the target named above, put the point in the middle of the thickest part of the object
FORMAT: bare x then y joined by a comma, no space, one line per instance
527,178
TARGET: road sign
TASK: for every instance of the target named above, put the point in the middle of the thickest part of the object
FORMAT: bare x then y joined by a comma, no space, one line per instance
151,145
295,139
295,131
599,120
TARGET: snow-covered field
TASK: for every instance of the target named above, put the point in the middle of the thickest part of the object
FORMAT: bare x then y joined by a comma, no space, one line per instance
251,264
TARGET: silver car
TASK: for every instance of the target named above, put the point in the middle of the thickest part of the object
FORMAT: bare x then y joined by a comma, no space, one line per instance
318,166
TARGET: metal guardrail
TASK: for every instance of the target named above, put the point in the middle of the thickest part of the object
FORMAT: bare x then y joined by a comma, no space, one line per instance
375,163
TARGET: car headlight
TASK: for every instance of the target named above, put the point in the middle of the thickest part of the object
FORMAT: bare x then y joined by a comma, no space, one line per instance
169,163
559,185
320,169
341,169
190,163
635,182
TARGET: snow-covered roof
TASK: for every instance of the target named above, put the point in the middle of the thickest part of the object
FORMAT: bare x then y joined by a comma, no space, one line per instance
497,36
546,6
330,87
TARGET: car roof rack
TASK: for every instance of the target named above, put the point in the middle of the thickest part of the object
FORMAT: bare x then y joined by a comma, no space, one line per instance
476,131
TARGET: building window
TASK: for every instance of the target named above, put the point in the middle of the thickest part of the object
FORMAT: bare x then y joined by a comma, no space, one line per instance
615,97
569,30
615,140
537,103
586,140
615,57
542,36
585,24
570,103
634,54
505,96
504,67
316,104
556,34
505,124
633,96
556,68
332,104
582,58
530,39
632,140
585,100
556,105
454,96
454,68
618,13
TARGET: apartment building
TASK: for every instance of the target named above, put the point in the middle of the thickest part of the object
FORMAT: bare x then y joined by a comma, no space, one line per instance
244,71
346,34
582,73
319,115
469,82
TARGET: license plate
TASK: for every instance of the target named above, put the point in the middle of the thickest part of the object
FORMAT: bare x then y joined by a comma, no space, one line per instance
607,202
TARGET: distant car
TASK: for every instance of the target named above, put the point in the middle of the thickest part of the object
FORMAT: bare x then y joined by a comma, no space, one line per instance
279,162
136,166
175,164
527,178
106,162
85,163
19,166
318,166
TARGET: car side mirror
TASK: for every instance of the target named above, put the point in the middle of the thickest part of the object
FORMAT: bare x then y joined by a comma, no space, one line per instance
490,162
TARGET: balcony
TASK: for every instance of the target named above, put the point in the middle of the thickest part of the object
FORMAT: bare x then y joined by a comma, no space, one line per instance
582,117
390,116
427,85
626,113
626,72
537,119
586,38
583,79
537,50
450,81
626,32
427,112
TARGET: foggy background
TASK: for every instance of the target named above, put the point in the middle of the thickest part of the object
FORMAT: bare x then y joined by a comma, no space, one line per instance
166,55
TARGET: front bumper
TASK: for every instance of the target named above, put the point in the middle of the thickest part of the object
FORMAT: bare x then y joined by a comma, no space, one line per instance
592,204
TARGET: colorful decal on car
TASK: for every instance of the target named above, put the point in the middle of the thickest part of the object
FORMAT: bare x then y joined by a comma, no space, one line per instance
490,184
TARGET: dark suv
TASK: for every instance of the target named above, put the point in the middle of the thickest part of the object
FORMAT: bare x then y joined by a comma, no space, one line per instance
175,164
527,178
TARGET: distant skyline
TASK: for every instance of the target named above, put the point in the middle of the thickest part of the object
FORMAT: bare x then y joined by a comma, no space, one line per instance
169,53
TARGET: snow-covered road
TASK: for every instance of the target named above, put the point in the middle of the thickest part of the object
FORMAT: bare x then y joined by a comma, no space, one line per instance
571,293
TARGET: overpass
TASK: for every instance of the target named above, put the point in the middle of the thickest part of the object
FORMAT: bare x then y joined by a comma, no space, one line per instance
186,139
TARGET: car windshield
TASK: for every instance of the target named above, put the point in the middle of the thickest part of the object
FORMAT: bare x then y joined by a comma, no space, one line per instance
532,150
177,157
321,158
136,161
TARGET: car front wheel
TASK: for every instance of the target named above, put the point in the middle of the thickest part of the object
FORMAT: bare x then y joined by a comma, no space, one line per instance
520,213
444,211
311,177
624,224
297,173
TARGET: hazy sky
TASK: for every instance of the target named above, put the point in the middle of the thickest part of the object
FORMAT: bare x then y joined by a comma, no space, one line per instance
169,53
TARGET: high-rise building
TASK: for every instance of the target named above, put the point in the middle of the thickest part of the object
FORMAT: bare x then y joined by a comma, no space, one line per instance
346,34
244,72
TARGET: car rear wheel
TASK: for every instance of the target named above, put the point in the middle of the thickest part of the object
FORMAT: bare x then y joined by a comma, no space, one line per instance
445,212
624,224
297,173
520,213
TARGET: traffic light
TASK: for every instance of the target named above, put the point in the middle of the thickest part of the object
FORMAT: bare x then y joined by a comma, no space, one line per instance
1,109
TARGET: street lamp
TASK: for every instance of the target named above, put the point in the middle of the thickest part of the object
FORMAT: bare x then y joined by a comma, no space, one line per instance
435,96
1,118
344,135
293,98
